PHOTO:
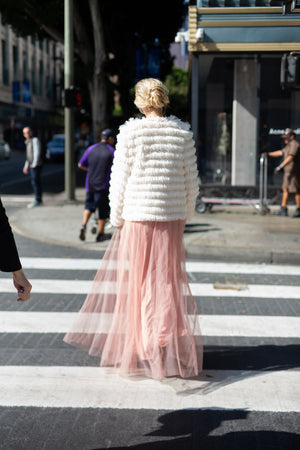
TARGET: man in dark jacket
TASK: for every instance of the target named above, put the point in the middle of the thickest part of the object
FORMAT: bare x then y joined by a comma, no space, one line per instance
9,258
97,161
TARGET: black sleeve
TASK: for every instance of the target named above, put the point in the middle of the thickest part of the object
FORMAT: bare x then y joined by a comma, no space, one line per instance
9,258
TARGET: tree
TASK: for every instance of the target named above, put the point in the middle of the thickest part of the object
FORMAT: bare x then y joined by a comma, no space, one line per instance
178,84
106,35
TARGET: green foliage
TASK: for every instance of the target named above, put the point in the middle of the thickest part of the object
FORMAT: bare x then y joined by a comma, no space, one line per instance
178,84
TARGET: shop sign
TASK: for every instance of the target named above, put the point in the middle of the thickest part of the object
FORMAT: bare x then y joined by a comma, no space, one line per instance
279,131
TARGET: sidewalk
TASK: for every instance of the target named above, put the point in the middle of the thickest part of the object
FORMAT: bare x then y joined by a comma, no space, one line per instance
228,233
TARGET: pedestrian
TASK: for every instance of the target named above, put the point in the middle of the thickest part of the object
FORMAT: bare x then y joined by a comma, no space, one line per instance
97,161
33,164
9,258
291,171
140,316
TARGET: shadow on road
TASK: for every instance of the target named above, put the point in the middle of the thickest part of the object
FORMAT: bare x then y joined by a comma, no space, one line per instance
198,430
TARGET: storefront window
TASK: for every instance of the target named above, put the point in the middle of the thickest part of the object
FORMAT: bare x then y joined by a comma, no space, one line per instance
215,119
242,112
279,109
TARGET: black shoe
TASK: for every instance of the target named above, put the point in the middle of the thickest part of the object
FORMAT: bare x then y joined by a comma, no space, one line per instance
283,211
296,213
103,237
82,234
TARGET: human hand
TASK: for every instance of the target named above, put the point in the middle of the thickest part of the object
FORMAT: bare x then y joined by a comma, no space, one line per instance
25,170
277,169
22,285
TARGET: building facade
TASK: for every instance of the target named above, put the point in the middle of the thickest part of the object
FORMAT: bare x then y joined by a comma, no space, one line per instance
31,76
239,107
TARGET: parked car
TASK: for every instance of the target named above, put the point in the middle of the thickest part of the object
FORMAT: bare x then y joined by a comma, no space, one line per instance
56,147
4,149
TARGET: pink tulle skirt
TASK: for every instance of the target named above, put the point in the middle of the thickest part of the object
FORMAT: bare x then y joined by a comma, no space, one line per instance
140,316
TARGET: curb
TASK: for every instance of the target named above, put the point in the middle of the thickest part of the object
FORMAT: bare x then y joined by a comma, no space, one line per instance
240,255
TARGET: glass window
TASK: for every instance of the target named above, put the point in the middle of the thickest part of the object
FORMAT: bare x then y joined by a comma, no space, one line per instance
242,112
215,119
33,75
5,64
279,109
41,78
25,65
15,63
48,82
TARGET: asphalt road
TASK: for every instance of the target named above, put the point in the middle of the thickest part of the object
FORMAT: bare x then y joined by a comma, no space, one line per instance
14,182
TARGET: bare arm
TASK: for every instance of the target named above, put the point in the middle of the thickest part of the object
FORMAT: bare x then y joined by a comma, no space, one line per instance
285,162
83,167
275,154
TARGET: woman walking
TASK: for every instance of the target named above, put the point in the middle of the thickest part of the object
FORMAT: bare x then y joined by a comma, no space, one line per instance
140,316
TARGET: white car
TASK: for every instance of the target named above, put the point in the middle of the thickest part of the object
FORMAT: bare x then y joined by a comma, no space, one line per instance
4,149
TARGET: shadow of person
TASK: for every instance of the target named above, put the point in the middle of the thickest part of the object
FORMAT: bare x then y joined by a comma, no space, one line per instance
199,228
215,430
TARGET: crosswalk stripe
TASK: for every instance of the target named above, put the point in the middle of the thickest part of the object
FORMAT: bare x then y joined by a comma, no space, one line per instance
50,286
61,263
247,269
95,387
211,325
191,266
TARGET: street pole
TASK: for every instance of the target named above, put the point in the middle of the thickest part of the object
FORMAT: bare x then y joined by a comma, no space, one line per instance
69,112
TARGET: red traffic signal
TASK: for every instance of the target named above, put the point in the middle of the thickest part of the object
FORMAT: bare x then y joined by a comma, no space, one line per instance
78,99
72,98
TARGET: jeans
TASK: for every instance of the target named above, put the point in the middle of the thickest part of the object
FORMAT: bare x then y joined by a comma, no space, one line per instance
35,174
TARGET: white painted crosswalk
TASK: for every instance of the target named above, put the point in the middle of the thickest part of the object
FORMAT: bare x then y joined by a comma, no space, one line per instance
191,266
51,385
94,387
211,325
42,286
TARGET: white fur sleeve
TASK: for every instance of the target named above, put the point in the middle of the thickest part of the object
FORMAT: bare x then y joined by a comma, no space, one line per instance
121,169
190,174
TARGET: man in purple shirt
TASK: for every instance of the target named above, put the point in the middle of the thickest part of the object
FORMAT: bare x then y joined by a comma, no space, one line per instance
97,161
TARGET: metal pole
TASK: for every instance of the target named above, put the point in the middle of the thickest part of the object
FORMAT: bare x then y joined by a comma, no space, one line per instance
261,182
69,113
266,183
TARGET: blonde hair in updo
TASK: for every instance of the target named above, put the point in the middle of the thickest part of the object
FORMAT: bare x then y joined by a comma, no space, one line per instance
151,93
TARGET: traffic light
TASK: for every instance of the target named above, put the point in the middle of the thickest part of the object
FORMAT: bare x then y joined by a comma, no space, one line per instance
290,71
72,98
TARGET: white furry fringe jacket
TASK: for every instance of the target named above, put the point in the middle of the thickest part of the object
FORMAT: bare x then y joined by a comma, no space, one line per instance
154,173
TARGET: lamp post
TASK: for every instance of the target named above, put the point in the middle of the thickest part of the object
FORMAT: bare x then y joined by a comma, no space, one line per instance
69,112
